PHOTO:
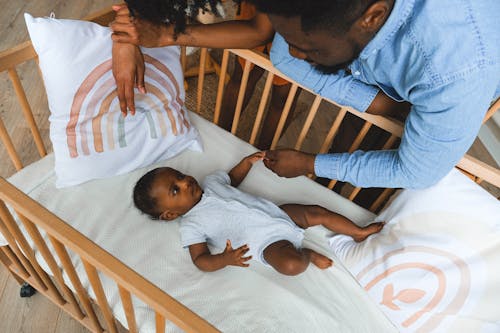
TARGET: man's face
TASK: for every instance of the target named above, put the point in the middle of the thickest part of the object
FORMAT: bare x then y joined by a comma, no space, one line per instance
175,192
328,52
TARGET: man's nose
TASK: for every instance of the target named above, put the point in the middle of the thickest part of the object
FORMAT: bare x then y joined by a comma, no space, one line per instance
296,53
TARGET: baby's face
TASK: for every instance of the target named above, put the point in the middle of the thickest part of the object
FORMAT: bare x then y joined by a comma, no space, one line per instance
175,192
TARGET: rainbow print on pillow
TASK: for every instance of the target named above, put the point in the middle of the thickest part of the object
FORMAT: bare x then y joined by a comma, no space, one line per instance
90,137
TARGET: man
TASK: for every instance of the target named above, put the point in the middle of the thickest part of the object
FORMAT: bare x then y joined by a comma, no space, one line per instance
441,56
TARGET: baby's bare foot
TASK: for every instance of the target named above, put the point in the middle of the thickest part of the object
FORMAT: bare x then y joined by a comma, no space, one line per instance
368,230
320,260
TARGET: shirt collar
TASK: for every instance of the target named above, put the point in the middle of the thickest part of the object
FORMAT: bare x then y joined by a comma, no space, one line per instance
399,14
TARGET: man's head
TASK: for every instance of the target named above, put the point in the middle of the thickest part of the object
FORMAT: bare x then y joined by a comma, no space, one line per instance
165,193
328,33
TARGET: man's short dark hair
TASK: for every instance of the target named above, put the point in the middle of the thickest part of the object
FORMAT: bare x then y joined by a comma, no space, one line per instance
331,15
143,199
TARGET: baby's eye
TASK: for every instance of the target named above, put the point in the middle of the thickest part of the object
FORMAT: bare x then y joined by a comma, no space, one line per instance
175,190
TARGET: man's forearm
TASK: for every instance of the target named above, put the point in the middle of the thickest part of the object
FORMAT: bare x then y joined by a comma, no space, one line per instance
229,34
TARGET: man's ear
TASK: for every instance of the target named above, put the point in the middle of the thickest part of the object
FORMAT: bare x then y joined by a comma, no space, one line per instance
375,16
169,215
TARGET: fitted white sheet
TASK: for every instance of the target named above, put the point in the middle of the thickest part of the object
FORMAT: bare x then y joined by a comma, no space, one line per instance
254,299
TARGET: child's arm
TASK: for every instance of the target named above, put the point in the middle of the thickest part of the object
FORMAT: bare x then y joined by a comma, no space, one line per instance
207,262
240,171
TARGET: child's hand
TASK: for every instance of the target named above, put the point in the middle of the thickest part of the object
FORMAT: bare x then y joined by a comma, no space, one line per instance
235,257
258,156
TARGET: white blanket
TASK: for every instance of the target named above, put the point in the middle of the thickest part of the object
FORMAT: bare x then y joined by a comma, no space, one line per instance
254,299
435,267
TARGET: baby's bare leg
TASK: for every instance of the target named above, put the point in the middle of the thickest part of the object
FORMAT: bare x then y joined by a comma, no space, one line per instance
288,260
306,216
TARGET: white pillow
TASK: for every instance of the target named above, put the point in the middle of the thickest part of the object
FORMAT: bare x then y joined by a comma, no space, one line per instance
91,139
435,267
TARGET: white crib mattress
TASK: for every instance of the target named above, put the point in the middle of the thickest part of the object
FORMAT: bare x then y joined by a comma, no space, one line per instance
254,299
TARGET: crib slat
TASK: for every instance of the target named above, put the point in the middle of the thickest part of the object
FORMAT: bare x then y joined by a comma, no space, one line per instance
16,55
333,131
262,106
307,124
160,323
359,138
354,193
388,144
96,284
183,59
241,96
220,88
50,260
77,284
11,150
128,307
20,271
13,243
381,198
201,78
284,115
493,108
28,114
7,263
355,145
30,254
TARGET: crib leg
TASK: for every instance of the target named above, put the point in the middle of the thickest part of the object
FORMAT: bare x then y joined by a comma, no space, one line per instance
27,290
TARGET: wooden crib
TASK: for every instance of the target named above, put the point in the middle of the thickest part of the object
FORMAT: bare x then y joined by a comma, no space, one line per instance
19,257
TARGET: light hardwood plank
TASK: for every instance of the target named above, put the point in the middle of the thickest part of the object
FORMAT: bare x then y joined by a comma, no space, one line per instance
28,315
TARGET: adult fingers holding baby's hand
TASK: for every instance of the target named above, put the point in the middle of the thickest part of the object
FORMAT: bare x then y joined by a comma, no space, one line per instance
258,156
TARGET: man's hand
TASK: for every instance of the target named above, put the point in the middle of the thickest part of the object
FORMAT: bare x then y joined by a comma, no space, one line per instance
289,163
134,30
235,257
128,70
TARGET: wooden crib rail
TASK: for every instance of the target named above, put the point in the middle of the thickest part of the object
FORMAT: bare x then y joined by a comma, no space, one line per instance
478,170
19,257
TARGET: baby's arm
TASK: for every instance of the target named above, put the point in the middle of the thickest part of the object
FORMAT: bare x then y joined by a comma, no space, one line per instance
240,171
207,262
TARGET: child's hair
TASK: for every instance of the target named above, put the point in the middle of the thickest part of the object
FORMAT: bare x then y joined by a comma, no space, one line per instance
143,199
171,11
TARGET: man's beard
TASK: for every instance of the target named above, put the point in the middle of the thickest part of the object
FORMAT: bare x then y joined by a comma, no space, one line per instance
334,69
323,69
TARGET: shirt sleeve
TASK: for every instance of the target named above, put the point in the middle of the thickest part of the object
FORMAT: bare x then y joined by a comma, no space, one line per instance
190,234
441,126
341,88
218,177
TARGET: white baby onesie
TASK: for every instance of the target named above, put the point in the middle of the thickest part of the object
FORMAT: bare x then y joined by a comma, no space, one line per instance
224,212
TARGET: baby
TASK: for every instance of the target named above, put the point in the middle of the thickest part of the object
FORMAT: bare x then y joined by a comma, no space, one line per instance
221,215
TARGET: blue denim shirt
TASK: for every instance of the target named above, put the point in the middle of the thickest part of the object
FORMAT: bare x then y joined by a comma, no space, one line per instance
443,57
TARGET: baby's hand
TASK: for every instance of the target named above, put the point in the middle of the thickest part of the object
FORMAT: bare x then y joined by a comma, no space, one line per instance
258,156
235,257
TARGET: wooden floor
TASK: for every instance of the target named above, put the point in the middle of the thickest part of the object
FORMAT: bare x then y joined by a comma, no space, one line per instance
37,314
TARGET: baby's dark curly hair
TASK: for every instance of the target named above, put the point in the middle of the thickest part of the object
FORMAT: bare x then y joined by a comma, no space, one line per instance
175,12
143,199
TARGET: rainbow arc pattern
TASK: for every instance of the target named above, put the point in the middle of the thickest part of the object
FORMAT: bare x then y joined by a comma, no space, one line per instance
95,109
